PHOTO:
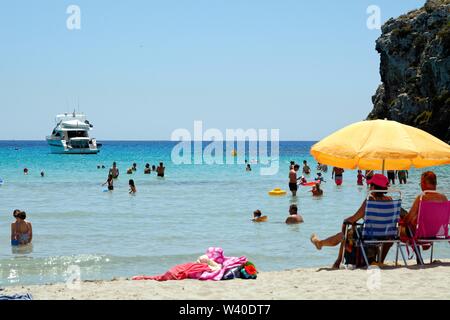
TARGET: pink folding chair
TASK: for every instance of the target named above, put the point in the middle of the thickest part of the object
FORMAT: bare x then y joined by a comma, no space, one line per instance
432,225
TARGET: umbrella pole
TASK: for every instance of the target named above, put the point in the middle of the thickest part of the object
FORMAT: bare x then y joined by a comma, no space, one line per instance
382,168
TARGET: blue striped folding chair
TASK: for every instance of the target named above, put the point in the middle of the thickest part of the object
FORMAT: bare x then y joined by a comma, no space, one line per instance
380,226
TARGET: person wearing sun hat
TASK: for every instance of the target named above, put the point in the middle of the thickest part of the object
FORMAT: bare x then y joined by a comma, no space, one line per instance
377,182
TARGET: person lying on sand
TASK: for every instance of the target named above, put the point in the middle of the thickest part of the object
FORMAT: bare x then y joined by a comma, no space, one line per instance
378,182
294,217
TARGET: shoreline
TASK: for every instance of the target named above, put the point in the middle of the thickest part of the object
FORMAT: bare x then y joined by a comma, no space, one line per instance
389,282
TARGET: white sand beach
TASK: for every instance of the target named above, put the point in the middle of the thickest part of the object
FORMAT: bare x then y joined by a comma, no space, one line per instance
406,283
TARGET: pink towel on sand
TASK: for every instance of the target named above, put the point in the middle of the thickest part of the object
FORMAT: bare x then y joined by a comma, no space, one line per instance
183,271
216,254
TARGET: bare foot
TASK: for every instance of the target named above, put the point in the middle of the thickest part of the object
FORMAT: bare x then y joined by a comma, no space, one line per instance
316,241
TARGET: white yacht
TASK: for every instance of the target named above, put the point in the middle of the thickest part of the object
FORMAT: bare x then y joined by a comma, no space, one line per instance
71,135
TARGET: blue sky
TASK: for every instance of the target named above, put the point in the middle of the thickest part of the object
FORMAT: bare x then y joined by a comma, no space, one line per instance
141,69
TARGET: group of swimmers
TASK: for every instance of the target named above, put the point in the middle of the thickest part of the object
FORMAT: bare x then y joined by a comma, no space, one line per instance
294,181
379,182
293,218
114,174
26,171
391,174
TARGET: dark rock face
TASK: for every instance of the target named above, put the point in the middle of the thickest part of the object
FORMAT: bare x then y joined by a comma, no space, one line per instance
415,69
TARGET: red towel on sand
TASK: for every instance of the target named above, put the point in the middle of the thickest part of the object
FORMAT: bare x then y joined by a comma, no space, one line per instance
182,271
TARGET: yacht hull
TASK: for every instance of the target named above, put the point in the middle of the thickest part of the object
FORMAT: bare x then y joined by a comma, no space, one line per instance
57,147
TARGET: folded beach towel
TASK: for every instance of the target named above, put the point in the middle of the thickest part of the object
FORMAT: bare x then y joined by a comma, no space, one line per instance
183,271
27,296
228,263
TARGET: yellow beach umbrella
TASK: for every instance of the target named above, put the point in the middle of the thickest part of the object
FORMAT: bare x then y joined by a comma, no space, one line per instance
381,145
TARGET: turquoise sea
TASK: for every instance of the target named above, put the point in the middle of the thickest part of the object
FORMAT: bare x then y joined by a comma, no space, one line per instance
169,221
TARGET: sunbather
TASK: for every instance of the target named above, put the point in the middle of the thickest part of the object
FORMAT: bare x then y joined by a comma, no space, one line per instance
378,182
428,181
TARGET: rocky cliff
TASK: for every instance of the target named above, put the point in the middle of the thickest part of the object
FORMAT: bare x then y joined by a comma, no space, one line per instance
415,67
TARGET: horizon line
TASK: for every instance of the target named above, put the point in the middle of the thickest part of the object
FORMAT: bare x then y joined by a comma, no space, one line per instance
156,140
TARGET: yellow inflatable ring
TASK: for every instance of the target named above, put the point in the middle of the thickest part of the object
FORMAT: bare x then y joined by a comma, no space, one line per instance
234,153
277,192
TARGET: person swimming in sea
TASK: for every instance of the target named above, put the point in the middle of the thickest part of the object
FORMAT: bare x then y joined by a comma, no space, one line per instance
160,170
130,171
25,171
21,230
153,168
134,167
110,182
302,180
258,217
147,169
319,177
249,168
42,173
114,171
316,190
294,217
293,187
337,175
360,178
306,168
132,186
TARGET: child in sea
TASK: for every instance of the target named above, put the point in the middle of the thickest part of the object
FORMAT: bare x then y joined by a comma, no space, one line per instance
319,177
360,178
257,216
316,191
302,180
132,186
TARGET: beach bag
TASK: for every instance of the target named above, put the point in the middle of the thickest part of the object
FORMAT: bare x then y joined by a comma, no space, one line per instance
353,254
232,273
246,275
248,271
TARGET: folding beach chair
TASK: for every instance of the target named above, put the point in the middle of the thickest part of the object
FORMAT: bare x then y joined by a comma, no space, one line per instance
380,227
433,222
